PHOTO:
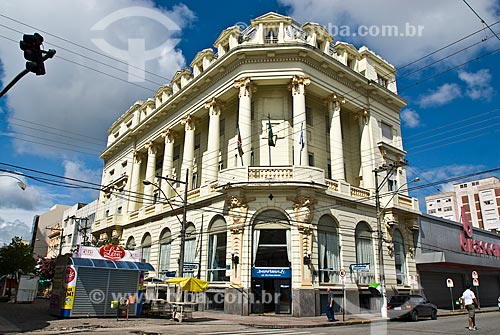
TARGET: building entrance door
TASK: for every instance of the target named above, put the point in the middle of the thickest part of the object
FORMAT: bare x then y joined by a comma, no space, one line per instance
271,295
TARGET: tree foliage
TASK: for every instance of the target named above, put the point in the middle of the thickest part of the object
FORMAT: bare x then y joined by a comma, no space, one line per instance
16,256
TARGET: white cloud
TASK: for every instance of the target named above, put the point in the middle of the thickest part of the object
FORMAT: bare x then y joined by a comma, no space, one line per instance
441,96
77,170
478,84
410,118
12,196
9,229
443,22
74,98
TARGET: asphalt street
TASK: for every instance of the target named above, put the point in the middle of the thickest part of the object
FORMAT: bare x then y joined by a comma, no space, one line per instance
34,319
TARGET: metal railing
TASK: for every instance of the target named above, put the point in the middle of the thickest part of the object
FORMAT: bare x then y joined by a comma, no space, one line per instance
363,278
217,275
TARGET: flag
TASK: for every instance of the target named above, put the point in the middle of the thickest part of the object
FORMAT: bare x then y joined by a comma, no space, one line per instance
301,140
270,136
240,144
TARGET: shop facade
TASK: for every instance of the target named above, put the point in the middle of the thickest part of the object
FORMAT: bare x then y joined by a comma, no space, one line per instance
457,251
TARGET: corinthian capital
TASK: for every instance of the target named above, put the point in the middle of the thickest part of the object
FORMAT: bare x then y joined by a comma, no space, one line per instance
151,147
189,122
169,135
245,86
213,105
299,84
334,102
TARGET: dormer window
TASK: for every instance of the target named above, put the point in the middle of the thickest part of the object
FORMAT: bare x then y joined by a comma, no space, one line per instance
382,80
350,62
272,36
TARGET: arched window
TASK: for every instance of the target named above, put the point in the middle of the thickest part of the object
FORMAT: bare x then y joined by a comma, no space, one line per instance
130,243
190,244
364,253
399,257
328,250
271,240
217,245
165,249
146,247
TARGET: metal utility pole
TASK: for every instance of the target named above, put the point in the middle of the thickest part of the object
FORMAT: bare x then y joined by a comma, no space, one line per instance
389,169
183,227
180,271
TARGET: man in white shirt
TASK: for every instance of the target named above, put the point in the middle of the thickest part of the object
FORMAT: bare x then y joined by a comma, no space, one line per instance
469,302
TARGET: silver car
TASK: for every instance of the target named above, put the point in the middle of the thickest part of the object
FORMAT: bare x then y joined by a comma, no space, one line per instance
411,306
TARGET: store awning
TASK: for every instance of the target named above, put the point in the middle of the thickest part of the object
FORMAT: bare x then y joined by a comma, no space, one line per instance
108,264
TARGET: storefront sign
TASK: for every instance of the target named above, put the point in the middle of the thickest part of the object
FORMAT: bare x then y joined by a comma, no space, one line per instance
110,252
271,273
470,245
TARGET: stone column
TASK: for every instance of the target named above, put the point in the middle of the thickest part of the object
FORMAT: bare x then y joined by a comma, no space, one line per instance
168,160
336,145
188,156
237,210
246,88
299,120
366,150
303,210
210,166
135,184
150,171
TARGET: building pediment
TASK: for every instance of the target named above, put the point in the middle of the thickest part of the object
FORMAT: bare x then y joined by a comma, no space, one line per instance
208,53
271,18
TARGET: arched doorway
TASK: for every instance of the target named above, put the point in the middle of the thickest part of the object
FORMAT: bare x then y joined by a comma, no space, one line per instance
271,261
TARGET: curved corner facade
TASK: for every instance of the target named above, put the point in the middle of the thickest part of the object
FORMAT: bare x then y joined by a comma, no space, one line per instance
277,134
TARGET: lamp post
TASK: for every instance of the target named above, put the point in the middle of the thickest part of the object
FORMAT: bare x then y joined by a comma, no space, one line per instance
20,182
389,170
180,272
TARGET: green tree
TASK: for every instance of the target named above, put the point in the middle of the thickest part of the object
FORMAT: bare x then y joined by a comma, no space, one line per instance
16,256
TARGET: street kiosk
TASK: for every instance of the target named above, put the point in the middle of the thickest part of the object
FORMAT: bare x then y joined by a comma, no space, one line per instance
91,283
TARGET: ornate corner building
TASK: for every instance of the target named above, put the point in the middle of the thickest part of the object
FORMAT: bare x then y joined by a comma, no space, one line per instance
277,134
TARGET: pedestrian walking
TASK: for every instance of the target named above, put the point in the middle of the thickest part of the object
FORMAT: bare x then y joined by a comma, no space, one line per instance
469,303
330,313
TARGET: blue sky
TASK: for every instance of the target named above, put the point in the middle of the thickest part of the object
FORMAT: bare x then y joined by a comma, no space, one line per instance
58,123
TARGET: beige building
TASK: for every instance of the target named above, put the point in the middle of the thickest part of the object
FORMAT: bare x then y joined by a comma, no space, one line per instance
479,198
271,227
46,231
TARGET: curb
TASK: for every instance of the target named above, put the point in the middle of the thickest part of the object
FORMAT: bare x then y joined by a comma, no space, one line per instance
310,325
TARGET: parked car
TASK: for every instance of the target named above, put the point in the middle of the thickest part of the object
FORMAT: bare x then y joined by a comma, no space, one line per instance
411,306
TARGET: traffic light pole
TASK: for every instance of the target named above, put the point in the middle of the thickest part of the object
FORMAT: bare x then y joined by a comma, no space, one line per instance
13,82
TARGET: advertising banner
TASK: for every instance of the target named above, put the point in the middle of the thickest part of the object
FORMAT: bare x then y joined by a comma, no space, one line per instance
110,252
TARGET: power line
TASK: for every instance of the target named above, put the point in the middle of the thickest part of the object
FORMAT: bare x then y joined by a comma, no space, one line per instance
83,47
480,18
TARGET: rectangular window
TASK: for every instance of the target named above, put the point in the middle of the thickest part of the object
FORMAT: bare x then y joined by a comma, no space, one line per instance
177,152
309,117
386,132
382,80
197,139
310,157
329,169
431,211
222,127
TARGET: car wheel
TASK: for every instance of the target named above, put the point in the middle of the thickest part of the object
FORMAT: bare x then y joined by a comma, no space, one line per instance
434,314
414,316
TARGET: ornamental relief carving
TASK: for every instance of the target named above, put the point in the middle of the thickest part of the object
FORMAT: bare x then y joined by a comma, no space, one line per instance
303,209
237,213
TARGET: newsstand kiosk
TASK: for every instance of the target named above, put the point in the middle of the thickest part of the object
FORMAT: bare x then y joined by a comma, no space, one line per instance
89,284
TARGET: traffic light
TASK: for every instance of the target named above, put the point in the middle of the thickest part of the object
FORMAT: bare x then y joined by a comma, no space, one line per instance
35,56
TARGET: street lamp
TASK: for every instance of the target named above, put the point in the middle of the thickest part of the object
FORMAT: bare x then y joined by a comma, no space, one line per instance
20,183
389,170
180,272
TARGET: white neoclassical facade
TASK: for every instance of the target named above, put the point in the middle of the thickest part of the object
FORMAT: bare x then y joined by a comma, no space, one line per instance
277,133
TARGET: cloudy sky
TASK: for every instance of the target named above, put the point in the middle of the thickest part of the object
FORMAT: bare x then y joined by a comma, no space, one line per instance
58,123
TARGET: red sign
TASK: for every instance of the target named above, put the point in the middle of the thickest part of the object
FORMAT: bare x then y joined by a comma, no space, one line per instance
112,252
70,275
470,245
